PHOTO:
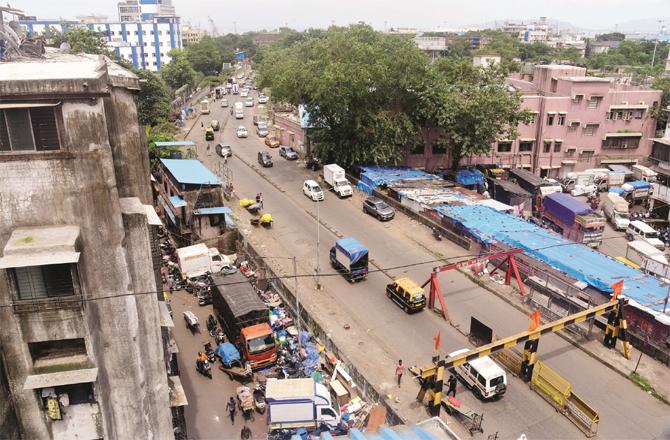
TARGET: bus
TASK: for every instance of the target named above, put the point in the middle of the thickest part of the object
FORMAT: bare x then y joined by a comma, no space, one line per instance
204,107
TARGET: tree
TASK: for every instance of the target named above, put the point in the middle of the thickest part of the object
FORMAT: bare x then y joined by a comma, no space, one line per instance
662,83
359,88
164,131
472,105
204,56
153,99
83,40
611,36
179,71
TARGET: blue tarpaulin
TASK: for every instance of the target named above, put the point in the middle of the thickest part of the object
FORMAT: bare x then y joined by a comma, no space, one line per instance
177,201
352,248
617,190
469,177
374,176
227,353
565,207
639,184
576,260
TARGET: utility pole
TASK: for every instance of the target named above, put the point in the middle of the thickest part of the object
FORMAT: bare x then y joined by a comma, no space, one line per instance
297,298
653,57
318,267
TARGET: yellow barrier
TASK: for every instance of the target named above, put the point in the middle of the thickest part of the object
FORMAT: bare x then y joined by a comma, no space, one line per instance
554,386
510,359
582,415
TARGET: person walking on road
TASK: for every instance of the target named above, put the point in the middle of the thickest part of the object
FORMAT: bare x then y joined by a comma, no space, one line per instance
452,385
245,433
260,199
232,409
399,371
209,150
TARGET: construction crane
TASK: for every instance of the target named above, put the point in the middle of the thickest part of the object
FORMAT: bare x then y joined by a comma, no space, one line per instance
215,31
431,377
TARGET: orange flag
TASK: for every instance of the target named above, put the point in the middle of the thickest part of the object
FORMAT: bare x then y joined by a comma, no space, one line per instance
437,341
535,318
617,288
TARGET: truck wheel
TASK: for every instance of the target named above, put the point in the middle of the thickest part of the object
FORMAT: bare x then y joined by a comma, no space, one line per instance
388,293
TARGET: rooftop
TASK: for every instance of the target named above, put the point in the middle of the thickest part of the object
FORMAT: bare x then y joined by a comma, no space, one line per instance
585,79
190,172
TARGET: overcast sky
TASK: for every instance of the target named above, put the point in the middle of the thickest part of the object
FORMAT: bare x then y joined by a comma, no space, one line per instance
422,14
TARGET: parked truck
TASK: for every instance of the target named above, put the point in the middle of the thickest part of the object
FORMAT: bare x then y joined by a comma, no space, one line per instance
244,318
299,403
198,259
650,259
573,219
615,209
333,175
350,258
636,190
640,172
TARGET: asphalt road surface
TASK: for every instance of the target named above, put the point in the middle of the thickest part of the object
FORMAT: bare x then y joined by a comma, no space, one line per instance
625,410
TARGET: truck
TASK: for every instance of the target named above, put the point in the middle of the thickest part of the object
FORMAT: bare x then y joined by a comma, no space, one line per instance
650,259
204,107
573,219
636,190
239,110
244,318
535,185
333,175
640,172
615,209
350,258
299,403
197,260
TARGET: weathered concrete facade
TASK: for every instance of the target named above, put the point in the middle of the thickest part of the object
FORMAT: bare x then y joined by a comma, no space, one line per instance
96,182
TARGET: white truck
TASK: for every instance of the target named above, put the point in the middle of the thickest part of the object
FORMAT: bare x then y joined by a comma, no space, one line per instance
615,209
239,110
196,260
650,258
640,172
333,175
299,403
204,107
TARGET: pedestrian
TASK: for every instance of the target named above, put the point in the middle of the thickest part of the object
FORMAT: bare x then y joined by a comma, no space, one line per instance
202,124
225,160
209,147
452,385
232,409
245,433
399,371
260,199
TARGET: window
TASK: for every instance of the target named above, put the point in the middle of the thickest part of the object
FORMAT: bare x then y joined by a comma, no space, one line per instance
504,146
621,143
546,147
586,155
594,102
557,146
589,129
28,129
561,119
639,114
327,412
550,119
77,393
35,282
49,350
526,146
554,85
577,99
481,379
570,152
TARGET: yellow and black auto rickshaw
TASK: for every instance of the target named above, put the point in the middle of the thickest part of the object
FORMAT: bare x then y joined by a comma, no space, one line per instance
407,294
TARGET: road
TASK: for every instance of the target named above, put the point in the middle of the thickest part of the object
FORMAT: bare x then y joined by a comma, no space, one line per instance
625,411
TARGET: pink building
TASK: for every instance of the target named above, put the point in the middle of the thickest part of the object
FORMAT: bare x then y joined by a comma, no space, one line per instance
580,122
288,130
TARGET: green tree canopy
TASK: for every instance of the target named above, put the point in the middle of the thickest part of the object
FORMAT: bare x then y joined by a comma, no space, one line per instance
153,99
179,71
82,40
662,83
472,105
204,56
611,36
359,87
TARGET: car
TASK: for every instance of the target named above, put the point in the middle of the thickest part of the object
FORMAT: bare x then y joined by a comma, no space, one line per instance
215,125
312,190
223,150
263,124
271,142
244,93
249,102
262,99
378,208
265,159
242,132
224,103
288,153
261,131
209,134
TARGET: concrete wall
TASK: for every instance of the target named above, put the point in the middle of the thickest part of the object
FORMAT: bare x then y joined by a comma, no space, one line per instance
82,185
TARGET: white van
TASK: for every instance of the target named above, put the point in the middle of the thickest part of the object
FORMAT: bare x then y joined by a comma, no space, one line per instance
312,190
482,375
639,230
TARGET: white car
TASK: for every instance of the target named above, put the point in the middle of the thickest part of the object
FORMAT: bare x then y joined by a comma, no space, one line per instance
224,103
262,99
244,93
242,132
312,190
249,102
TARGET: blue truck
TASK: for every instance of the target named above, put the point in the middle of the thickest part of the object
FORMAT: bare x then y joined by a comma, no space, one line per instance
350,258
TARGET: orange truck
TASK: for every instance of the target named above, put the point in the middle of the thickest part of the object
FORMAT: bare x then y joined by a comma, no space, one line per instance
244,318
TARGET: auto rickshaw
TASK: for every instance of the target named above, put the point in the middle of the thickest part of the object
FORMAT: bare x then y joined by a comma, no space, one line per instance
264,220
191,321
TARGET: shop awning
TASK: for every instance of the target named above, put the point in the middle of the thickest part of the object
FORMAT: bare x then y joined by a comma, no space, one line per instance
628,107
549,167
166,319
6,105
616,161
623,135
41,245
212,211
665,141
527,140
152,217
84,375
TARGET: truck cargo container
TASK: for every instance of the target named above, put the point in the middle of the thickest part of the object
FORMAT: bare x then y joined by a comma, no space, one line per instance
299,403
244,318
334,176
350,258
573,219
615,209
198,259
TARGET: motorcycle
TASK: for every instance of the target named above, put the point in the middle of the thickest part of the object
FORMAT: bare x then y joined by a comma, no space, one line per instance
313,164
259,398
203,368
211,355
437,234
211,323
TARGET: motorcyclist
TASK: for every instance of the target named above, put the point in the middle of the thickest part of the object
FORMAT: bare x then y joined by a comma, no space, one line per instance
202,357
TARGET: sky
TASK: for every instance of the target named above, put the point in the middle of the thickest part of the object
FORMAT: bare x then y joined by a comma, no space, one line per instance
249,15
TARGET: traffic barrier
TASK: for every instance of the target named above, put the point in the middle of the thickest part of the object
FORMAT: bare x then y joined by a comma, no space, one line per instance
510,359
582,415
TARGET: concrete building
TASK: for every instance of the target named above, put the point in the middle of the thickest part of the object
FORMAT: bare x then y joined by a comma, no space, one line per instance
580,122
598,47
486,60
536,32
191,35
660,162
143,35
190,198
433,46
81,321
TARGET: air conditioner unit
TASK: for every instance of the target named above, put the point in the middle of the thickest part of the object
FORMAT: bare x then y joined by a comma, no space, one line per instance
624,103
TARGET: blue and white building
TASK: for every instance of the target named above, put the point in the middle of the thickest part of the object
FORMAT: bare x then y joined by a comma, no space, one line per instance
146,31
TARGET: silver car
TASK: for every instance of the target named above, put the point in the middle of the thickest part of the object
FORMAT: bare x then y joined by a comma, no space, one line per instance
378,208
